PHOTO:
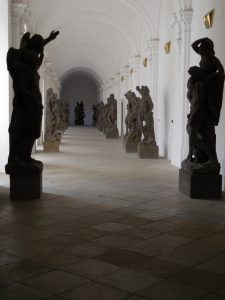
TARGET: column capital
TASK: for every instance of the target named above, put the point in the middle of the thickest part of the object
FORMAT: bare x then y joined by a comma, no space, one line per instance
135,61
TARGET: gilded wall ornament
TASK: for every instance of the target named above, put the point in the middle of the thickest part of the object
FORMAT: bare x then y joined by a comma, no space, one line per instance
167,47
145,62
208,19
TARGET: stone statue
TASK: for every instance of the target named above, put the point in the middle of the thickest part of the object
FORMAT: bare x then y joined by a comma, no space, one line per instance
145,116
111,130
94,116
205,93
25,126
79,113
199,174
105,116
50,117
100,114
133,132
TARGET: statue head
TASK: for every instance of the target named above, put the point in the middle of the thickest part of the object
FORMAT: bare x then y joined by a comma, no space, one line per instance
207,47
36,43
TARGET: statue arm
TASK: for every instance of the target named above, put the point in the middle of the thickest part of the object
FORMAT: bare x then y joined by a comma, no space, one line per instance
51,37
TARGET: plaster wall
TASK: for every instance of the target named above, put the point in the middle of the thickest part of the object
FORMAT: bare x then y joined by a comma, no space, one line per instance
164,116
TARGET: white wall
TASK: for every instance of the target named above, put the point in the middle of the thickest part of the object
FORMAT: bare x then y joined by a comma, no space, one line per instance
166,84
80,88
4,83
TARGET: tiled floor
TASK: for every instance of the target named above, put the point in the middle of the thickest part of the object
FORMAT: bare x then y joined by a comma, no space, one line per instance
109,227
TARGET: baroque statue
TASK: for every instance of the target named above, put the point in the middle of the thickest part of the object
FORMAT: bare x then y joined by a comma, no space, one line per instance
205,94
79,113
52,119
25,126
111,130
145,116
133,131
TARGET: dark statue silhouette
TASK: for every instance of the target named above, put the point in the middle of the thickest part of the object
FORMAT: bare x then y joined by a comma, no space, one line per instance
79,114
25,126
205,94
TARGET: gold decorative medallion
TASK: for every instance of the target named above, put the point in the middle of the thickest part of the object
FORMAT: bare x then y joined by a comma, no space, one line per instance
167,47
208,19
145,62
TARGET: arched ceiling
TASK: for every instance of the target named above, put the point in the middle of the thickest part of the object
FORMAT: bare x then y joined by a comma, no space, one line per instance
98,36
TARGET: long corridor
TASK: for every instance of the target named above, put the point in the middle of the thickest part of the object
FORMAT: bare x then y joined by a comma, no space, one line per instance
109,226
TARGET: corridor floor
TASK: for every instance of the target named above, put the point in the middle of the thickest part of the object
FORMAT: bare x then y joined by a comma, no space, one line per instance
109,227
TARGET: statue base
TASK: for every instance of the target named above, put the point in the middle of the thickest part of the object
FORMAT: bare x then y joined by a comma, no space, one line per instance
131,147
112,134
25,186
51,146
148,151
200,186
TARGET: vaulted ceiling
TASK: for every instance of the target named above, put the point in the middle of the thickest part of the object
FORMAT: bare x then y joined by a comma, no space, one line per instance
96,36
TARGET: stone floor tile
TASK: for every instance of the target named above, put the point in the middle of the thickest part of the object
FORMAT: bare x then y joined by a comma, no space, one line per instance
170,290
129,281
25,269
193,253
158,268
117,241
132,220
121,258
88,249
94,291
54,298
140,233
19,291
200,279
134,297
112,227
214,265
87,233
55,282
213,297
6,259
90,268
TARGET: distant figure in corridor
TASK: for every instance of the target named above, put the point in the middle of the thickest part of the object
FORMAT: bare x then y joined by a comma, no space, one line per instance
79,114
25,126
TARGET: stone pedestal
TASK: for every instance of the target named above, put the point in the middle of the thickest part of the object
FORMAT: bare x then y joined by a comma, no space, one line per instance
130,147
51,146
200,186
25,186
112,134
148,151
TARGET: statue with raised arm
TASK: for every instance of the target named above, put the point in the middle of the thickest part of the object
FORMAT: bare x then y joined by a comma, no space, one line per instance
205,94
25,126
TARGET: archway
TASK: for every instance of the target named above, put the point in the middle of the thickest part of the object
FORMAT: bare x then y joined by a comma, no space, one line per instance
80,86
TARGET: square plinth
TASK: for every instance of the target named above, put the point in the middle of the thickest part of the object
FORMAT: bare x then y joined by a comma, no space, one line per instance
112,134
51,146
200,186
130,147
25,186
148,151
